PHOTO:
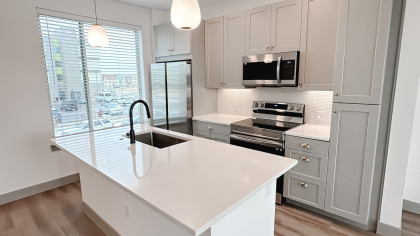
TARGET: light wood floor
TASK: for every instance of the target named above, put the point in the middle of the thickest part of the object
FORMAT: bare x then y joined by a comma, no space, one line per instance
58,212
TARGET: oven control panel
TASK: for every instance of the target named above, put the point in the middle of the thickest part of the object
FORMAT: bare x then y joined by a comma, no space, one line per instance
277,106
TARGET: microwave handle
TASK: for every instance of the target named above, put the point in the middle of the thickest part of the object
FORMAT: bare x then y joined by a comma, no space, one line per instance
278,69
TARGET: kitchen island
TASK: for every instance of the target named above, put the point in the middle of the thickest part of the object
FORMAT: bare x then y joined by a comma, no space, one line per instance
196,187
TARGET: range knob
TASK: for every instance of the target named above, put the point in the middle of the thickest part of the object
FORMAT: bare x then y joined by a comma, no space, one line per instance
256,104
292,107
298,108
262,105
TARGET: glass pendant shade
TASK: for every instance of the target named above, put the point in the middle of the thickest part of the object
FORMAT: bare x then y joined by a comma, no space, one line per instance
97,36
185,14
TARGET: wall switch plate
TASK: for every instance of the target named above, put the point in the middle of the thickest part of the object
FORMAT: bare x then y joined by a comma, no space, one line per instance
268,191
321,115
127,211
236,107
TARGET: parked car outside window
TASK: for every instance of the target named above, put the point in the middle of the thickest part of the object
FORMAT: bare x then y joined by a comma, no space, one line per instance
111,109
69,106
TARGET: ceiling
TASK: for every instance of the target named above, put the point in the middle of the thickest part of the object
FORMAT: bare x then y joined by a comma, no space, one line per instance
165,5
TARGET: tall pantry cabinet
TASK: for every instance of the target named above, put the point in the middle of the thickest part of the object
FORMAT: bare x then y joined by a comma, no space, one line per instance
364,74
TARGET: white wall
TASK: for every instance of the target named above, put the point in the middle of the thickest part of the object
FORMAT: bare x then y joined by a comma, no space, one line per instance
233,6
160,17
402,118
412,182
25,121
314,101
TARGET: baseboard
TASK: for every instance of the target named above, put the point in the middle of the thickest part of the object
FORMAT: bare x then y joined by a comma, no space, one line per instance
387,230
39,188
411,206
101,223
370,227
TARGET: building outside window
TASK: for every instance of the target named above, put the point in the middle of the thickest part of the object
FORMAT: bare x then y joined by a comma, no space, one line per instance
91,87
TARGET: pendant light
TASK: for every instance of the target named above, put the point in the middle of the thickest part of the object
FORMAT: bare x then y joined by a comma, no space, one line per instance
97,36
185,14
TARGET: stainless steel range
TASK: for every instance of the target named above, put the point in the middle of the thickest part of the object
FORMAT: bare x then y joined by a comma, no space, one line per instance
265,131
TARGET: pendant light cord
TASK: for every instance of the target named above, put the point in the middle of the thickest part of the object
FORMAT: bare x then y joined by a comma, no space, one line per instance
96,15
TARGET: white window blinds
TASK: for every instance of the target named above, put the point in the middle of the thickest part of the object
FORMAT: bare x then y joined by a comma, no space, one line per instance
91,87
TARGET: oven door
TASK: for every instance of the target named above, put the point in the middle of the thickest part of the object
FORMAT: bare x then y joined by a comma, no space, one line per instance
262,145
259,144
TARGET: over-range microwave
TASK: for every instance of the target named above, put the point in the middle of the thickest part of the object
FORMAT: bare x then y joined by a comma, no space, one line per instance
271,70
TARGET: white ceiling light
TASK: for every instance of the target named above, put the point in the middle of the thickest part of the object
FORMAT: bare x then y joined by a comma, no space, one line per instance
97,36
185,14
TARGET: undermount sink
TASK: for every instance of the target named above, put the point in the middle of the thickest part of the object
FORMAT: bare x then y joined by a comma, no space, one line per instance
158,140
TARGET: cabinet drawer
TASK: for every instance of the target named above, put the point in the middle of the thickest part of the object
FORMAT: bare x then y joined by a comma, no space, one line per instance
303,190
212,128
201,134
310,166
307,145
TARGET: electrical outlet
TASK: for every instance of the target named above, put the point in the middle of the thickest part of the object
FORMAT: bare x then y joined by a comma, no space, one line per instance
236,107
268,191
127,211
321,115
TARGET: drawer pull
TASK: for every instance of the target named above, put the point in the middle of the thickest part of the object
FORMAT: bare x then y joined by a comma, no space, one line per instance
305,145
305,159
210,128
303,185
208,137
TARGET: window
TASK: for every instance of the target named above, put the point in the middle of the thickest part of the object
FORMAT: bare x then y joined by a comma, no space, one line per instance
83,80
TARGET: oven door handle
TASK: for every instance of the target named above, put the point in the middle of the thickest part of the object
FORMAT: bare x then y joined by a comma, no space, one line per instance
278,69
257,141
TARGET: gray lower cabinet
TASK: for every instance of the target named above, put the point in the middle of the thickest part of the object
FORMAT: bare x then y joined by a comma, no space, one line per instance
310,165
351,161
306,181
303,190
216,132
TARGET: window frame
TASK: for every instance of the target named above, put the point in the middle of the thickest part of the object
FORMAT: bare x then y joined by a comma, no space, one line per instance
141,73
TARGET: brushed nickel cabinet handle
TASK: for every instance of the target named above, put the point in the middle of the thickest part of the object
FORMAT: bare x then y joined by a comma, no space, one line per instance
272,48
303,185
335,111
305,159
305,145
210,128
336,94
267,48
300,83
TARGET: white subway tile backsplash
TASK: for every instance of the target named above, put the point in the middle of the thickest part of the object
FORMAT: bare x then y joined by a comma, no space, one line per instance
314,100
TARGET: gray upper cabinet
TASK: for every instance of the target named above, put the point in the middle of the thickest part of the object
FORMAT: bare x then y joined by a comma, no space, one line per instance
162,40
285,26
274,28
214,52
351,160
258,30
234,49
318,46
362,40
170,41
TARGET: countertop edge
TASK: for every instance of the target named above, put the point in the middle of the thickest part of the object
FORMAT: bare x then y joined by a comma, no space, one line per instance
308,137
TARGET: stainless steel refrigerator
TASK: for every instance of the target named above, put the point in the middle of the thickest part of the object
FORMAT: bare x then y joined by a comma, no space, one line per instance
172,96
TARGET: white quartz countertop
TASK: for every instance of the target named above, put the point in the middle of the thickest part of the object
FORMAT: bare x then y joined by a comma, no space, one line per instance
193,184
319,132
222,119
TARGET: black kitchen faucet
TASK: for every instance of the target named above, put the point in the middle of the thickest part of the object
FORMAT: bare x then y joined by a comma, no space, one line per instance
132,135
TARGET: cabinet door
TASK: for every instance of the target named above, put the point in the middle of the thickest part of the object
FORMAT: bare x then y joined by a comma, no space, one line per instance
163,40
258,30
234,49
214,52
351,160
318,48
285,26
361,50
181,41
